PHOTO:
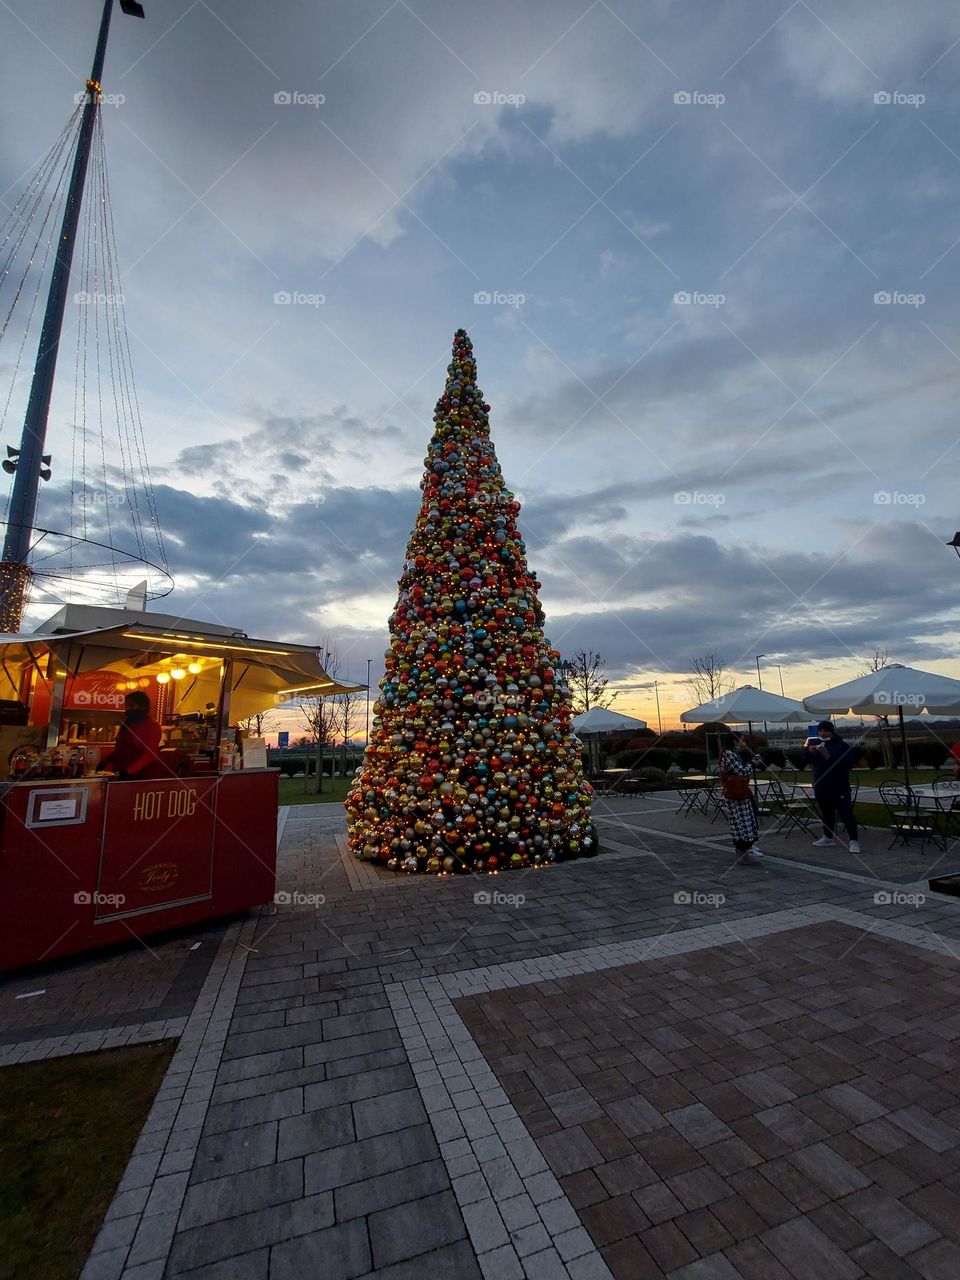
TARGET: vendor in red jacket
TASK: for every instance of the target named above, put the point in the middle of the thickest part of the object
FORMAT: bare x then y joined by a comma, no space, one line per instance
136,753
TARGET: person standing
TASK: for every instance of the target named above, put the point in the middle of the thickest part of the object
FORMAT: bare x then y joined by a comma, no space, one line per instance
736,770
136,752
831,759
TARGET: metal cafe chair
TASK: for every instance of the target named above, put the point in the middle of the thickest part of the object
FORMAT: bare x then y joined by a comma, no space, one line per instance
714,805
690,797
907,822
946,816
794,810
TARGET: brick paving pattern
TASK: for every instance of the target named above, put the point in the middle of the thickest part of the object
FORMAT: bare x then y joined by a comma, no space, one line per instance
329,1113
790,1107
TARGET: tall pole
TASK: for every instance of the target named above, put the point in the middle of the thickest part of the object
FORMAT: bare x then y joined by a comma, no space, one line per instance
14,571
656,690
760,683
366,731
780,674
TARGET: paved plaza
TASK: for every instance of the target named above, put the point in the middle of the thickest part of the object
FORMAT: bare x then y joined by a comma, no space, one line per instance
651,1063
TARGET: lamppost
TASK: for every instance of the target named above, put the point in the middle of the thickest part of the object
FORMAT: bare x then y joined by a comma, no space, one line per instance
656,690
780,674
955,543
366,732
760,684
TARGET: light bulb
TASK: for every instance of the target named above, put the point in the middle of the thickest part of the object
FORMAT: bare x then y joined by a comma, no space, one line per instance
163,677
194,668
177,673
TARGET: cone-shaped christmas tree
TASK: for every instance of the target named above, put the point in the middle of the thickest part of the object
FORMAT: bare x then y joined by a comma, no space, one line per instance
472,763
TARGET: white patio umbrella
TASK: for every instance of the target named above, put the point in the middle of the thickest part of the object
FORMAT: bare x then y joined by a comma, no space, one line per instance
603,720
893,688
596,722
747,705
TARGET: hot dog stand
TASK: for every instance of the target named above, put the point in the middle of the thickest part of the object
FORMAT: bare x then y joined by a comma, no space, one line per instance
88,860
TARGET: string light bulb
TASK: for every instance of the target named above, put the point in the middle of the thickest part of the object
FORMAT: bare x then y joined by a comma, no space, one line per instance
177,673
163,677
194,668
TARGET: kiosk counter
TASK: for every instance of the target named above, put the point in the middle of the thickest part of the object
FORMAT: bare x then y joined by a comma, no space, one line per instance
88,860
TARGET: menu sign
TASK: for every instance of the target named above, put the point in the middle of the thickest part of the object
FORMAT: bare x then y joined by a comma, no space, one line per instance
157,844
92,691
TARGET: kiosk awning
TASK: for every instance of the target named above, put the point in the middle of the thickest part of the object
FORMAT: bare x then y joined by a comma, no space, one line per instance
264,672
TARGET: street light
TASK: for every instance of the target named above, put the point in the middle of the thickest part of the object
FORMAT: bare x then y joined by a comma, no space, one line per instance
954,542
780,674
760,683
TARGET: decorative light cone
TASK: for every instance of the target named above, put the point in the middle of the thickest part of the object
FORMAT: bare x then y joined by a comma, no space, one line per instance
472,763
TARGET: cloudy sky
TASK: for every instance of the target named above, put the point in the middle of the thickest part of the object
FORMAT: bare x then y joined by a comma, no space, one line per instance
708,255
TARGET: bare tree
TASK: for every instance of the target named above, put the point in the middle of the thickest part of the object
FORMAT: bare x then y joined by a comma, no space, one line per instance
587,681
259,724
876,662
709,679
319,717
347,718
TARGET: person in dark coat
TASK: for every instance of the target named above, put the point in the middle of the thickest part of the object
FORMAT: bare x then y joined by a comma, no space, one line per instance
136,752
831,759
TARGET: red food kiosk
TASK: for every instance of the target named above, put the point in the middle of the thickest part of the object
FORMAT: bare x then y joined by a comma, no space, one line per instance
88,860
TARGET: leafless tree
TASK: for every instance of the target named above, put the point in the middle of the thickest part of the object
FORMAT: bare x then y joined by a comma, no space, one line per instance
709,678
587,681
259,724
876,662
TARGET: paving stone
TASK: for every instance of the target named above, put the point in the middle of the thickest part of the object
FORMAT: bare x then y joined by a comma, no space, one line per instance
569,1151
881,1263
698,1125
314,1131
613,1220
224,1153
406,1231
310,1255
939,1260
501,1264
805,1251
891,1222
221,1118
357,1161
668,1246
485,1226
388,1112
925,1128
451,1262
247,1266
383,1192
715,1267
698,1187
245,1192
545,1265
754,1261
829,1170
248,1233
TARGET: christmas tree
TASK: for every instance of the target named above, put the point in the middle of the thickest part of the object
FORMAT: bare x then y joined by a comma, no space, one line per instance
472,763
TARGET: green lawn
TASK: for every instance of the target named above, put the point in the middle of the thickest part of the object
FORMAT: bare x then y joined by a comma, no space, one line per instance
67,1127
303,791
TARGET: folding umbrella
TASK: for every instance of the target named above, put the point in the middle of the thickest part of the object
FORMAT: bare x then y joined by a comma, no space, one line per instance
893,688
